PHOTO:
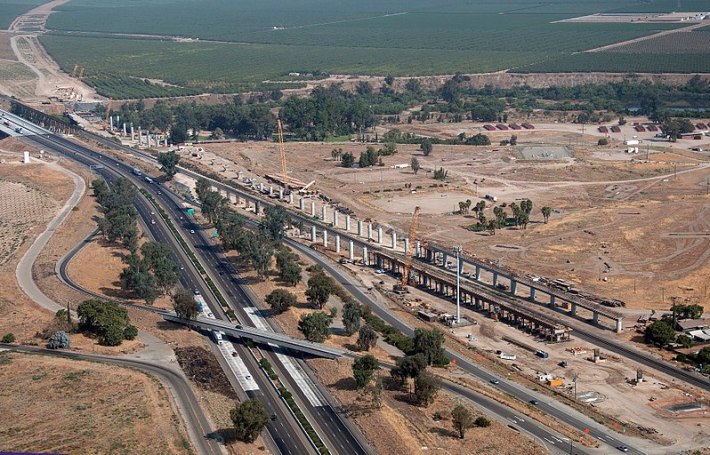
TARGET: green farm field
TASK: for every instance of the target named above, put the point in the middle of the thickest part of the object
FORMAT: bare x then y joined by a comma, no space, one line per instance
10,9
237,44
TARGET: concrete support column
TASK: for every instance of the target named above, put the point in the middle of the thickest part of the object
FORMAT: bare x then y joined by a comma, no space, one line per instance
365,259
595,317
347,223
619,325
335,218
301,203
133,133
325,238
445,259
369,231
379,235
124,129
552,301
337,243
351,251
261,187
271,190
513,286
417,249
532,294
313,209
394,240
257,207
290,199
313,233
140,135
495,278
323,212
478,272
359,228
406,245
281,194
573,309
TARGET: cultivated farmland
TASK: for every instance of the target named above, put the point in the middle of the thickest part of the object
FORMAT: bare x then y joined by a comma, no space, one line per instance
617,62
225,46
10,9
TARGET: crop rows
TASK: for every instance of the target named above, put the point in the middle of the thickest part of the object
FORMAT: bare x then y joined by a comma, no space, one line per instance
682,42
10,9
616,62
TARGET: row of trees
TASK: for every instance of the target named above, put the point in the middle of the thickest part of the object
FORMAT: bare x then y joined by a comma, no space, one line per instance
117,222
244,121
256,247
520,216
151,273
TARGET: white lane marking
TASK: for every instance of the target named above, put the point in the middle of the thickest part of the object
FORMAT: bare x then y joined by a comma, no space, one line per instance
299,376
238,367
550,441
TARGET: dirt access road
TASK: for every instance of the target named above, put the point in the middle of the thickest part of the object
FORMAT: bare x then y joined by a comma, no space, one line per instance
41,76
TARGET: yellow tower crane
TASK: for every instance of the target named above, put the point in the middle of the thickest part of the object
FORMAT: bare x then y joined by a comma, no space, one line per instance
79,76
408,254
282,151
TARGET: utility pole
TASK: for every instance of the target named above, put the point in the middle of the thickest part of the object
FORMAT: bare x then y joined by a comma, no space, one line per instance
457,251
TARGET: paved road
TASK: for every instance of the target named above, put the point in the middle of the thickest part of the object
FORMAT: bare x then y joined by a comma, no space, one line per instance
198,426
23,272
560,412
285,432
511,388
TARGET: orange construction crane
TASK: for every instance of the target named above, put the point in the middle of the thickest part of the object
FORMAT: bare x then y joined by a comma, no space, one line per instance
408,255
282,150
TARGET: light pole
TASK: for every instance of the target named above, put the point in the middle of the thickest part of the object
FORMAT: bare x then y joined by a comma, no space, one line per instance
457,251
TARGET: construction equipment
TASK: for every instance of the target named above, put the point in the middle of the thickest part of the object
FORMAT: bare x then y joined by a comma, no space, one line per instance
304,190
401,288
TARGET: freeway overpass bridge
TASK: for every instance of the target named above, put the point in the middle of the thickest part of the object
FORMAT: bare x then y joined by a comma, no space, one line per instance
259,336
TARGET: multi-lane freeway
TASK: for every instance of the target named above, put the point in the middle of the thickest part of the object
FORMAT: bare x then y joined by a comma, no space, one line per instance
340,435
326,415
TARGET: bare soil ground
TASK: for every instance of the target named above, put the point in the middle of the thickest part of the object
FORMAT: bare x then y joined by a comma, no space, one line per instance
412,429
608,205
94,408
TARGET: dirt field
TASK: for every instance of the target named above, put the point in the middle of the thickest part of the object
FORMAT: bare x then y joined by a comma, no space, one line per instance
94,409
411,429
602,200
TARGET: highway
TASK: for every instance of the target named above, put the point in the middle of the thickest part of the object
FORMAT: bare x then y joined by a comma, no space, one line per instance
340,436
587,333
513,389
285,431
556,410
180,389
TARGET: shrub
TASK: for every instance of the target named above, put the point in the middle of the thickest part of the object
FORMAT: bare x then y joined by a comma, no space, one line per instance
130,332
603,141
59,340
8,338
482,421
